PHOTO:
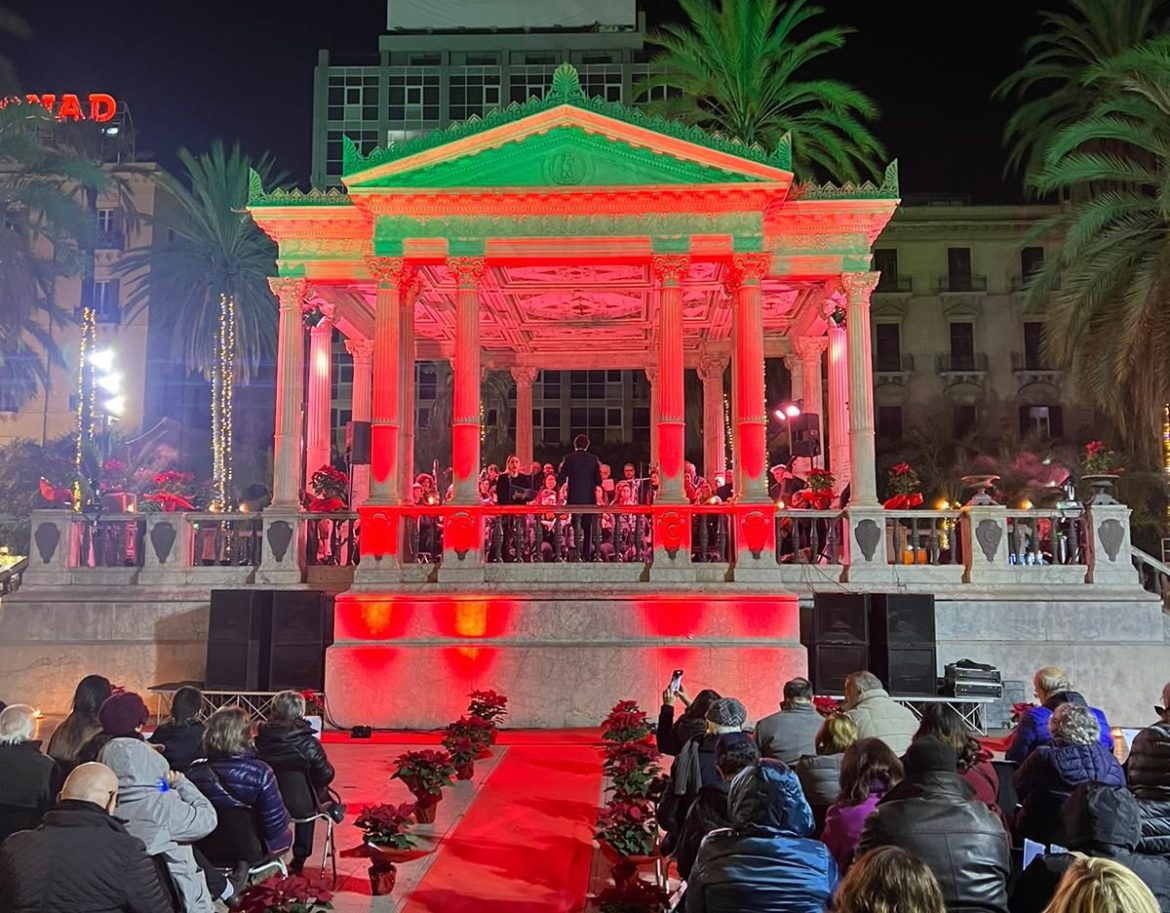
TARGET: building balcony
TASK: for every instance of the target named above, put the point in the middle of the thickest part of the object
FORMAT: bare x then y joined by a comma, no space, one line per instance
960,284
114,239
892,370
1032,368
898,285
967,368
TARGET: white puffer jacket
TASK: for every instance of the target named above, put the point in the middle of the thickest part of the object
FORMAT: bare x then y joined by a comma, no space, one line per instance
877,716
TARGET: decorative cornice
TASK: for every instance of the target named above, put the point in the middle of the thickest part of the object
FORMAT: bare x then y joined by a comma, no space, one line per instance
289,292
887,190
361,350
258,197
390,272
669,270
466,270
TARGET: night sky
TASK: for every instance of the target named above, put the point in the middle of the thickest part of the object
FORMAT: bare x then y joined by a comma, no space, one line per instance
242,71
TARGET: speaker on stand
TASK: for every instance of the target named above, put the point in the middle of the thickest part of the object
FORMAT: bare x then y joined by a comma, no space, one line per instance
836,634
302,627
238,639
902,643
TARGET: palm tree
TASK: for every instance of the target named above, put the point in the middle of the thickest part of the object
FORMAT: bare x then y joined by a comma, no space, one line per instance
208,288
1049,86
736,68
1108,288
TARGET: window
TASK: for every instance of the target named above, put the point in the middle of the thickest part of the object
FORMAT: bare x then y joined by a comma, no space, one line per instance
551,426
426,381
340,368
959,269
339,418
1045,421
422,418
541,59
551,384
475,91
109,234
414,96
888,346
587,385
105,220
432,59
962,347
526,82
614,377
885,261
613,418
641,424
107,303
1034,346
889,422
604,81
965,418
1031,261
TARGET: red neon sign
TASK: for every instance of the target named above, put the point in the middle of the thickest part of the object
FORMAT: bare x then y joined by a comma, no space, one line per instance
99,107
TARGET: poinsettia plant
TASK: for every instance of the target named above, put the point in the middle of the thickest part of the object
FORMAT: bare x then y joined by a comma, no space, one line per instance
1018,710
1098,459
825,705
314,702
461,749
425,772
290,894
626,723
632,768
627,824
488,705
820,480
903,480
386,825
633,895
479,731
171,491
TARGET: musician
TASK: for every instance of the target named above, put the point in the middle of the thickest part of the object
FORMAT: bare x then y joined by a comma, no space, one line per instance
784,484
581,472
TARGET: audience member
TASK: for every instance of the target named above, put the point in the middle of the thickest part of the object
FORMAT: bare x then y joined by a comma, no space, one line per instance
1101,886
1148,773
889,880
791,732
670,735
1055,769
286,743
820,774
733,752
82,724
933,814
122,716
232,777
1098,821
162,809
869,770
877,716
1052,688
943,722
81,859
29,780
181,737
765,860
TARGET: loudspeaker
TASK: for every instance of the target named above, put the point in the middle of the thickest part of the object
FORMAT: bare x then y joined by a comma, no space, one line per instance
841,618
302,627
359,445
806,434
238,633
907,670
901,619
830,664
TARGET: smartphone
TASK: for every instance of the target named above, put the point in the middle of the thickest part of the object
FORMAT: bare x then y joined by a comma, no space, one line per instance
676,680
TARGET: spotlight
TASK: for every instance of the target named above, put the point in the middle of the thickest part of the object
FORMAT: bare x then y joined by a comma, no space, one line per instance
313,317
111,383
837,315
786,411
103,359
115,405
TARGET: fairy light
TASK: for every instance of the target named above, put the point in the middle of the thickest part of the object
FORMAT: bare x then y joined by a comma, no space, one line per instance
222,389
1166,448
728,427
86,395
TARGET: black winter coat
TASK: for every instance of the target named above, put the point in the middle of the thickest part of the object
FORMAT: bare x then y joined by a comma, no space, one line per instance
673,808
245,782
289,745
1148,772
29,783
671,735
581,471
936,817
1048,777
80,860
707,813
182,743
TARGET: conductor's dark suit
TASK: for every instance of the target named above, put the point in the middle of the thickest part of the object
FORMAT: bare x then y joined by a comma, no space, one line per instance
582,471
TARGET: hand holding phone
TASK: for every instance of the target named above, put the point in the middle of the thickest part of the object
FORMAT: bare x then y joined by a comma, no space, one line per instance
676,681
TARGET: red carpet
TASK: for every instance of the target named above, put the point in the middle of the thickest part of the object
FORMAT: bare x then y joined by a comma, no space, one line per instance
526,842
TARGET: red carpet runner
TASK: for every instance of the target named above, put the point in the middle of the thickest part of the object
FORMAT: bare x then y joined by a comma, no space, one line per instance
525,844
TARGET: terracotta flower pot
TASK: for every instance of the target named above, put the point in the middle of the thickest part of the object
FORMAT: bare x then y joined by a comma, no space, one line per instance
426,807
465,771
382,879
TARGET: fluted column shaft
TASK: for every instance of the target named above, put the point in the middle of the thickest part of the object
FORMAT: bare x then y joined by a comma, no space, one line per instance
711,370
751,423
406,391
290,368
318,449
393,276
362,352
671,419
863,477
809,350
838,406
524,378
465,426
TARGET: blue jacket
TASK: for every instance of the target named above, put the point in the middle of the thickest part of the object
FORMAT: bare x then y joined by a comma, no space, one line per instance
765,862
1049,776
243,781
1032,730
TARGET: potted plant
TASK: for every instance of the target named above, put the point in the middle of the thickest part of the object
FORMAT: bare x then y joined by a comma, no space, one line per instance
632,768
1100,470
330,487
290,894
626,723
481,733
825,705
627,834
489,706
820,485
385,835
425,773
314,710
463,752
633,896
171,492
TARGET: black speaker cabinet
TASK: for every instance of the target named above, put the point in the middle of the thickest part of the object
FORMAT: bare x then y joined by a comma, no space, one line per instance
830,664
238,635
841,618
359,452
906,669
302,627
901,619
806,434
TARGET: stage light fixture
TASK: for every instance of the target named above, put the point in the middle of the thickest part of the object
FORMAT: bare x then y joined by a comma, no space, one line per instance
837,315
313,317
102,359
111,383
115,405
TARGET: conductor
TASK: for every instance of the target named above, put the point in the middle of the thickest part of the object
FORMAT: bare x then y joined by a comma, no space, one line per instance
581,470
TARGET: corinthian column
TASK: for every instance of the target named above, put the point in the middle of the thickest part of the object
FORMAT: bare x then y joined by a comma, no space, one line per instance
751,431
406,390
318,448
809,350
393,276
465,428
524,378
290,369
668,275
652,379
362,352
863,481
838,425
711,368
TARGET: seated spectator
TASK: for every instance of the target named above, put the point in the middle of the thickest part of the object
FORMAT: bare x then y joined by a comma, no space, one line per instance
1101,822
82,724
29,780
286,743
875,714
791,732
672,735
889,880
1101,886
81,859
162,809
1148,773
1052,688
765,860
933,814
1051,772
232,777
820,774
122,716
943,722
869,770
694,768
181,737
733,752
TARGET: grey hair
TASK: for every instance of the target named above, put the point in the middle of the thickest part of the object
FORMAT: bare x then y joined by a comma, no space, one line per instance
18,723
864,681
1050,680
287,705
1074,723
228,732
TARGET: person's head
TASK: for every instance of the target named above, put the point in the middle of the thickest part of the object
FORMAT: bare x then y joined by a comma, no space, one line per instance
703,492
1163,709
228,733
628,471
136,765
513,465
733,752
779,472
929,755
836,734
1049,681
858,683
690,470
868,766
889,880
18,723
535,468
186,703
550,482
1074,723
768,794
605,471
797,691
123,714
287,705
424,481
416,492
726,715
547,469
493,472
485,488
1096,885
581,442
702,703
1099,819
944,722
91,693
94,783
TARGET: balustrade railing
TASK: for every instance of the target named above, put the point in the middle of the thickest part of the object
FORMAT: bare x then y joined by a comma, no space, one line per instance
225,540
810,536
332,539
1037,538
113,540
930,537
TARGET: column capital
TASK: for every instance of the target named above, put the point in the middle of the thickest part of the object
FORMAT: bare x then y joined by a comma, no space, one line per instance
747,269
289,292
858,286
711,367
524,375
466,270
793,362
808,348
652,375
362,350
328,311
669,269
390,272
